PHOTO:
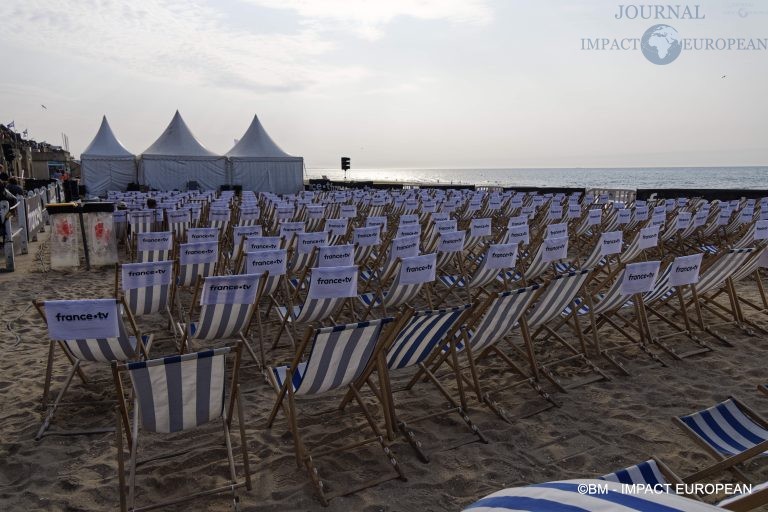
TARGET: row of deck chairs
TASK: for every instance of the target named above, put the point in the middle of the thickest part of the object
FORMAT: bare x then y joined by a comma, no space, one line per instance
345,355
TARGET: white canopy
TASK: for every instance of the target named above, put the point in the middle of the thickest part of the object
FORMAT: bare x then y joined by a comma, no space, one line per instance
106,164
257,163
177,157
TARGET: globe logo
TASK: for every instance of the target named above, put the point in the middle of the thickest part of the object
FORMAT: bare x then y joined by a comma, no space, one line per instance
661,44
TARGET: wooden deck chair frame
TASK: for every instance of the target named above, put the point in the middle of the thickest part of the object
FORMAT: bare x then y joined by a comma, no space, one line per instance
541,325
304,455
143,344
725,463
127,431
445,329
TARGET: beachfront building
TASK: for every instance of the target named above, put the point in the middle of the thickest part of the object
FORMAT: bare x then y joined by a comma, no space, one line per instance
106,163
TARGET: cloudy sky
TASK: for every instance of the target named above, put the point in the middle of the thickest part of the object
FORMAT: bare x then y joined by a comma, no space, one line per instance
390,83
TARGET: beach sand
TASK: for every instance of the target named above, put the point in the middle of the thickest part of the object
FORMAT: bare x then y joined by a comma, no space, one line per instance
597,428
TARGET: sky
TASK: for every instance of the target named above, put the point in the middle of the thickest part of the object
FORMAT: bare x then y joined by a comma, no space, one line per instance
391,83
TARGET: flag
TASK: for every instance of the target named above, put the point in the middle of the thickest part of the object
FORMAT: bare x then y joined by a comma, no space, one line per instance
12,124
24,133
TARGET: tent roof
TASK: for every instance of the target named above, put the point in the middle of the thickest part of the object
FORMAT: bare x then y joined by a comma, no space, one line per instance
256,142
105,143
177,140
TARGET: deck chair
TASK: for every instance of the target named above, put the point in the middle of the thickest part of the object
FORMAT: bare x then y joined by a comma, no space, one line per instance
173,395
227,305
148,288
156,246
416,337
338,356
730,432
651,473
551,302
87,331
491,321
496,265
410,276
329,289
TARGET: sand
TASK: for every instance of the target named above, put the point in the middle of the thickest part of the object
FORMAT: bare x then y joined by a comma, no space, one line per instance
597,428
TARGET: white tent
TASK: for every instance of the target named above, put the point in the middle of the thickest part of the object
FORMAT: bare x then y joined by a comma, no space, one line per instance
258,164
106,164
176,158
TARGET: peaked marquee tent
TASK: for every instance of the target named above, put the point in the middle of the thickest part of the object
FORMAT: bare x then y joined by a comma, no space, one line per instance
257,163
106,164
176,158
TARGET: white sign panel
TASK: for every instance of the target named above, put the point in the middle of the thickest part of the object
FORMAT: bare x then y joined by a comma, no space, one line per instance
141,275
367,236
555,248
594,217
203,234
201,252
418,269
451,242
273,261
336,255
501,256
639,277
610,242
480,227
82,319
685,270
237,289
404,247
305,242
518,234
333,282
154,241
557,230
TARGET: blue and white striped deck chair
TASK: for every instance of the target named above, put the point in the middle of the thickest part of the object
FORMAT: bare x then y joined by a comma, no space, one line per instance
148,288
652,473
495,265
154,246
177,394
541,262
410,276
329,289
196,260
338,357
570,496
250,216
179,221
730,432
227,305
559,294
88,331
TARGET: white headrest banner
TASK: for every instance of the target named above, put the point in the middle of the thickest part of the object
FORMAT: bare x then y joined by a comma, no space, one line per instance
236,289
555,248
639,277
685,269
273,261
201,252
333,282
501,256
418,269
155,241
82,319
141,275
610,242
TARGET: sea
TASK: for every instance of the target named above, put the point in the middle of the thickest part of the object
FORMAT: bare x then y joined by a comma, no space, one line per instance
610,178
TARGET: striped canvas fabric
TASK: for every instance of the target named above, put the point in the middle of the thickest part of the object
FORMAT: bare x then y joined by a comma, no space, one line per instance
105,350
189,273
647,472
613,298
500,317
538,266
425,330
715,276
558,294
180,392
726,428
565,496
219,321
148,300
339,354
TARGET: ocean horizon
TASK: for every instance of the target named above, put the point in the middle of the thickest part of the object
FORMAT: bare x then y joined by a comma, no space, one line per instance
737,177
